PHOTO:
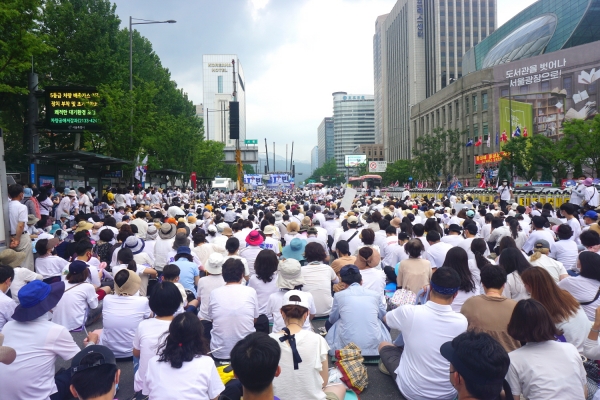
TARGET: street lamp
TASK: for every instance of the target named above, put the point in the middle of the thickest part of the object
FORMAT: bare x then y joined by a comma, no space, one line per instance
131,23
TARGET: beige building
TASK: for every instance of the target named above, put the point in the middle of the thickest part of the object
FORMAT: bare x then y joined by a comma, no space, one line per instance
374,152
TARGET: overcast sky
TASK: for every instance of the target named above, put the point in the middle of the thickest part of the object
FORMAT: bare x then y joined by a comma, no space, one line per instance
295,53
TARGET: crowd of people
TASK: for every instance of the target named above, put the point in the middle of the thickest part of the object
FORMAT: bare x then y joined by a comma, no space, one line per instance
217,295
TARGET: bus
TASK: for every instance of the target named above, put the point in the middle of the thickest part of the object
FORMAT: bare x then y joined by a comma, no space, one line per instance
365,181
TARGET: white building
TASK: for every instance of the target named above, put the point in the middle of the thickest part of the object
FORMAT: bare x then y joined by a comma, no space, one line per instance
217,78
353,124
314,159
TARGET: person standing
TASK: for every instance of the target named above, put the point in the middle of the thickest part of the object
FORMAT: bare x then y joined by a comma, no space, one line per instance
591,198
505,192
17,214
578,192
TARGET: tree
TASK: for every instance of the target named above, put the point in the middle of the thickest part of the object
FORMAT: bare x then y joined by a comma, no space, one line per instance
400,170
328,170
438,154
582,142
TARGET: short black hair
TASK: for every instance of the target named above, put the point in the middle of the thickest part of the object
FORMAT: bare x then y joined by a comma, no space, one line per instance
351,277
390,230
171,271
15,190
94,382
539,221
233,270
41,246
6,272
493,276
564,232
82,247
590,265
314,252
232,244
254,360
414,248
445,277
418,229
433,236
343,247
106,235
166,299
589,238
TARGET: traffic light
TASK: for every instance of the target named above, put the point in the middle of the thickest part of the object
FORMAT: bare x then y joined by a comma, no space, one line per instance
234,120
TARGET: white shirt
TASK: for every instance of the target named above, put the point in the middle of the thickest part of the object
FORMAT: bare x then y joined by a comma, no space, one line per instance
121,316
72,308
546,370
7,308
195,380
566,252
591,196
263,291
374,279
243,260
249,253
38,344
17,212
453,240
353,244
423,372
50,266
437,254
514,287
318,278
554,268
274,308
232,309
147,339
535,236
584,290
504,192
22,277
576,329
206,285
162,247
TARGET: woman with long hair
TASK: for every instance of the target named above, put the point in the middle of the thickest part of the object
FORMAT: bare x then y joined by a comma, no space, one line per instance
542,368
432,224
470,281
264,281
517,233
566,313
585,288
407,227
514,263
479,248
182,368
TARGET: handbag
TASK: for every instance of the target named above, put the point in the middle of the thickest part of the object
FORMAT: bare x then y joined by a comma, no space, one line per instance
402,297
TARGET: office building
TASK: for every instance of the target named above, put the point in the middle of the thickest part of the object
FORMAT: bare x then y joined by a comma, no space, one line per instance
353,124
421,43
374,152
314,159
325,140
378,71
217,78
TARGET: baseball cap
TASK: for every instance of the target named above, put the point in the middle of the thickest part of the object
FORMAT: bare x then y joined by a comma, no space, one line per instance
591,214
352,220
303,299
106,356
349,270
454,228
542,244
77,267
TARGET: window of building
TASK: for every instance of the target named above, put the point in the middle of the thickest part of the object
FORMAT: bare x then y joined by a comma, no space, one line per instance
504,93
442,33
545,86
484,101
220,84
443,54
450,4
456,109
474,103
484,131
443,115
443,44
476,131
450,112
466,106
450,14
443,63
442,13
524,89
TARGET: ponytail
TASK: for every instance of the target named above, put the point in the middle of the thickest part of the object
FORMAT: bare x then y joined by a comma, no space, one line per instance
514,228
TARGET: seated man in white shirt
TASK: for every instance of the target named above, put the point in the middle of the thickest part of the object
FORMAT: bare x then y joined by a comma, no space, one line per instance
454,236
418,368
7,305
437,250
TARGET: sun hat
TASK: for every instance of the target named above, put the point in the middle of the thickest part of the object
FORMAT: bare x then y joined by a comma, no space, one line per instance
221,226
72,193
130,287
108,357
289,274
254,238
212,228
12,258
591,214
152,232
32,220
269,230
588,182
184,250
167,231
295,249
364,263
304,228
229,206
214,264
191,219
303,299
312,231
395,222
84,225
135,244
541,244
352,220
278,215
293,227
54,228
7,354
77,267
52,243
37,298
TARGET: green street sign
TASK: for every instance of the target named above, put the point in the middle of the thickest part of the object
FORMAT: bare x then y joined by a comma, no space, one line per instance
311,181
251,141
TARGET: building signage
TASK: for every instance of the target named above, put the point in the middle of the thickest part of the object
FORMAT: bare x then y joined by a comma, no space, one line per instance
377,166
71,108
251,141
420,18
113,174
219,67
354,160
490,158
354,97
521,114
542,72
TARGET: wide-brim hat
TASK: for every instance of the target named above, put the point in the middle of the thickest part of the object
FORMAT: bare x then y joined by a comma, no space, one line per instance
55,227
214,264
135,244
152,232
36,299
72,193
12,258
289,274
167,231
395,222
32,219
84,225
227,231
181,239
363,263
269,230
295,249
7,354
131,285
278,215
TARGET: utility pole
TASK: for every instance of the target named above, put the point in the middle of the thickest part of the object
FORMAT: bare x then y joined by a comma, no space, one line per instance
238,152
292,156
32,117
267,155
274,164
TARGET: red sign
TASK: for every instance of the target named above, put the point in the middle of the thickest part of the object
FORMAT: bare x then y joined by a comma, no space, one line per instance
193,178
490,158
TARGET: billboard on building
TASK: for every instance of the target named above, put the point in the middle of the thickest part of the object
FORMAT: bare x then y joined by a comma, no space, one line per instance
354,160
280,181
253,179
521,115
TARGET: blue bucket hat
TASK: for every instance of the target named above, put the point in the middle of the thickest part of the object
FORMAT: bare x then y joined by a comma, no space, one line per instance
36,299
295,249
55,227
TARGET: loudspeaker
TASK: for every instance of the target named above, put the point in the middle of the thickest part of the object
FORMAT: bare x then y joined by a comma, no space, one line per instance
234,120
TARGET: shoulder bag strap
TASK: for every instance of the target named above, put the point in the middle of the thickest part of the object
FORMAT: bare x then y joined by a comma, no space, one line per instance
352,237
590,302
74,286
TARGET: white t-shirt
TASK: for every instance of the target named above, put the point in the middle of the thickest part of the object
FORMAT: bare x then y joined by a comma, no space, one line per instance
50,266
453,240
306,381
249,253
7,308
22,277
535,236
121,316
546,370
271,243
148,336
263,291
374,279
423,372
274,311
243,260
566,252
514,287
576,329
437,254
38,344
72,307
554,268
17,212
232,309
584,290
318,278
206,285
195,380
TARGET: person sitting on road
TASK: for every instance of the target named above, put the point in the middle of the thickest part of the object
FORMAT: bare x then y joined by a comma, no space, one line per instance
318,278
94,373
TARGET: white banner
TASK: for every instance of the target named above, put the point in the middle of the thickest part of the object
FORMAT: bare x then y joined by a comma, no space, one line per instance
377,166
349,195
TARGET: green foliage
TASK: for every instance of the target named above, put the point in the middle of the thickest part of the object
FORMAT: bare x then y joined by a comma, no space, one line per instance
329,170
437,155
400,171
582,142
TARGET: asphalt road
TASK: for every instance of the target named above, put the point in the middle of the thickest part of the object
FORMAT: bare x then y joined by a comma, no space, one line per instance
381,387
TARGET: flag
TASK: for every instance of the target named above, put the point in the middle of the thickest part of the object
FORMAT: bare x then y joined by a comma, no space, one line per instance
517,132
497,138
530,183
469,142
504,137
396,184
482,181
488,141
479,141
524,131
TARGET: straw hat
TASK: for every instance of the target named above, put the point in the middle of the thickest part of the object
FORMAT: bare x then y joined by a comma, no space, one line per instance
12,258
84,225
167,231
131,285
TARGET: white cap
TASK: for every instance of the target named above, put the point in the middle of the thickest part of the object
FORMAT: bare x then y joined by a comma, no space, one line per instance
303,299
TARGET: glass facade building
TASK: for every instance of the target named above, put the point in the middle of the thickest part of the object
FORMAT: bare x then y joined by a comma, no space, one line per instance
353,124
217,79
325,140
544,27
314,158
